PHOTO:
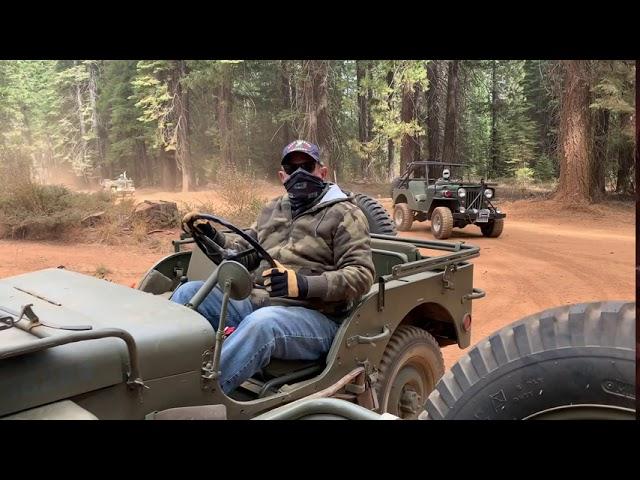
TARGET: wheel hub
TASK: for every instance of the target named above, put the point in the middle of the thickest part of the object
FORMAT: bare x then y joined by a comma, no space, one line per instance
410,401
436,224
409,391
398,217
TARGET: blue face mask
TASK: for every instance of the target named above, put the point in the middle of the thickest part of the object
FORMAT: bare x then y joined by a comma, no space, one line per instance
304,188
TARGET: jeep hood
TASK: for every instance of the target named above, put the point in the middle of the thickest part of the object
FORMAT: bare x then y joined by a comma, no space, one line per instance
170,338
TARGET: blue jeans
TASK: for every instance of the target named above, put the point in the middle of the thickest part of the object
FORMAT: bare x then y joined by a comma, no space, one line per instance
288,333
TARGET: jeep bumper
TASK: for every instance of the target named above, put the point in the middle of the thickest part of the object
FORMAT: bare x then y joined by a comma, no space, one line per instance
472,217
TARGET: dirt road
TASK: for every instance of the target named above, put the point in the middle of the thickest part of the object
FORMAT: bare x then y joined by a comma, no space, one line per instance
544,258
544,263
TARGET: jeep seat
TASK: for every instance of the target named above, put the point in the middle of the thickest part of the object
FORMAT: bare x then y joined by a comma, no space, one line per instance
387,254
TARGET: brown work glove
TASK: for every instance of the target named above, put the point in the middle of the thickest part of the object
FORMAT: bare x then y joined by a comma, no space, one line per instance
284,282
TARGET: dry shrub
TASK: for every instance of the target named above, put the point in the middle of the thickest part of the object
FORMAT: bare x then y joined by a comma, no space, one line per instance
34,211
139,231
101,271
238,200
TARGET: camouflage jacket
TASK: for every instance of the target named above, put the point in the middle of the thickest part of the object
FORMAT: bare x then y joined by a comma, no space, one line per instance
329,243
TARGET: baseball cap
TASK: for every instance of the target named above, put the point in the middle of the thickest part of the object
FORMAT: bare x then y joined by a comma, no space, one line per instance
301,146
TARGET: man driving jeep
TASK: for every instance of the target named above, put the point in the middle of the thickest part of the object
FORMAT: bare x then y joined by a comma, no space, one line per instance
320,239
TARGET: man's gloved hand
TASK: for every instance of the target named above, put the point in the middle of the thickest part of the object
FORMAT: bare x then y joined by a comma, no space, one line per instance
189,216
204,226
284,282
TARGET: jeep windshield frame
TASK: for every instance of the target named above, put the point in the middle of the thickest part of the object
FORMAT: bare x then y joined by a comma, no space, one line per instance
431,171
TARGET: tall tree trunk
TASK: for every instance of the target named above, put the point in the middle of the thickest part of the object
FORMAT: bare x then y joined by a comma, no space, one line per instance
83,131
225,108
369,101
599,154
96,124
285,86
317,108
141,150
390,145
363,121
575,139
493,148
450,129
183,148
407,115
168,168
624,177
434,99
324,128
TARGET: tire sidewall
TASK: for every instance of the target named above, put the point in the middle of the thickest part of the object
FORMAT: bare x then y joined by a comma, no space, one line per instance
375,227
398,210
576,375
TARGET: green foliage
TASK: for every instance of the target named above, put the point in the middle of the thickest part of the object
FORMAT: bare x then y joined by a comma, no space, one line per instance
97,118
524,175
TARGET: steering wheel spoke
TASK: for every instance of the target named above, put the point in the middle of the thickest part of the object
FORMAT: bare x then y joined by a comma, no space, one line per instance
204,241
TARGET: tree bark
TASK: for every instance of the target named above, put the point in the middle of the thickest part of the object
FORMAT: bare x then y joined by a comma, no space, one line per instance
183,148
322,98
624,177
575,140
390,145
369,101
316,100
81,125
450,130
599,154
434,99
96,123
362,101
285,86
363,121
225,108
407,115
168,167
146,173
493,148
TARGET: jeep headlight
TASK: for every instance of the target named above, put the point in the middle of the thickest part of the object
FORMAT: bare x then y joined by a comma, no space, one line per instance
462,192
488,193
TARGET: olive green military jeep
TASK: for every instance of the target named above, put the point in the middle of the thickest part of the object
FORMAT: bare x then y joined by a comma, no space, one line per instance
120,186
574,362
436,191
74,346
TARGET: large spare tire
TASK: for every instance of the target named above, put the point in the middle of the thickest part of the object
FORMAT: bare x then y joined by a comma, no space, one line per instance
379,220
572,362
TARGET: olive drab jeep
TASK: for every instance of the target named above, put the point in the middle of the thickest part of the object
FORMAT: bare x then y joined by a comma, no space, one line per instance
120,186
436,191
75,346
574,362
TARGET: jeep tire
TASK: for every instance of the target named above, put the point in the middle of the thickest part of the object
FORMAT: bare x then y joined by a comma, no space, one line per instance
572,362
441,223
379,220
410,367
493,228
402,217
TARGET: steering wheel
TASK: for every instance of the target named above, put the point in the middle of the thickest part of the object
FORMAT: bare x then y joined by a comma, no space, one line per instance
215,252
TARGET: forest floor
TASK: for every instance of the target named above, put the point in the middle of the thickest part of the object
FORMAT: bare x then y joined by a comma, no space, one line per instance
547,256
